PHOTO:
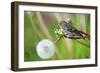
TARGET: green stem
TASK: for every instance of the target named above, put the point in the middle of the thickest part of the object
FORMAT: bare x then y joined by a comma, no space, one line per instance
57,40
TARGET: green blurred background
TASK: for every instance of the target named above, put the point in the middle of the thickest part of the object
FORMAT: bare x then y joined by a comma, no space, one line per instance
41,25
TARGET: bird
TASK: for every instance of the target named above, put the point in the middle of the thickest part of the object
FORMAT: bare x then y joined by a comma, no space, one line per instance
70,31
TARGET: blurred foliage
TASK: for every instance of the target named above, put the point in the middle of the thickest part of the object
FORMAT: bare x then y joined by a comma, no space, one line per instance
34,34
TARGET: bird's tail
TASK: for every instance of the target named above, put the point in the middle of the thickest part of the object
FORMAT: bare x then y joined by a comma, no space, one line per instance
85,35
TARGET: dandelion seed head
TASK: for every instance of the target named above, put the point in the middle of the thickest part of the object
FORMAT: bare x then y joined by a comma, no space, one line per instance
45,49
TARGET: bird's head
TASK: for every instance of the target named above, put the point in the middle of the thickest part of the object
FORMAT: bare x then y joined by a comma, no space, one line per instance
64,24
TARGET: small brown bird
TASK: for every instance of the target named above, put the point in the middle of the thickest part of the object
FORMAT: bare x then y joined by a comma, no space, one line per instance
71,32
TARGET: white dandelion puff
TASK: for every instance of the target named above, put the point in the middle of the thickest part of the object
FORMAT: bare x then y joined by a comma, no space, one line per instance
45,49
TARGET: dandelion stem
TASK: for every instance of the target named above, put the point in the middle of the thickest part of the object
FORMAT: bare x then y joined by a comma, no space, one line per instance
57,40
